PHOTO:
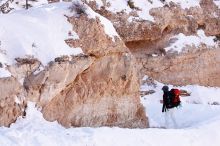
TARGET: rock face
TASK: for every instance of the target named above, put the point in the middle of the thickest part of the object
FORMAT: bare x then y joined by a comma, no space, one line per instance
106,94
11,102
97,89
200,67
145,38
24,67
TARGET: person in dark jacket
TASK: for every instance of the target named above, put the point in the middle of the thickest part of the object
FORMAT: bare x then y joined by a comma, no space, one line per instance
168,108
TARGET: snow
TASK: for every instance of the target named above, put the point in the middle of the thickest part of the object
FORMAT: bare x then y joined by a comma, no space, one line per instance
20,4
108,26
38,32
217,2
183,41
4,73
198,125
144,13
186,3
200,102
202,95
118,6
144,6
2,1
17,100
199,94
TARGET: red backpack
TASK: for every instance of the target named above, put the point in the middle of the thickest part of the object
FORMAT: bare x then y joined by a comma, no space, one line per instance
175,93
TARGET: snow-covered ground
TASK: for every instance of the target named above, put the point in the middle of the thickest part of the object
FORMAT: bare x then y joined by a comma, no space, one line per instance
20,4
198,125
204,102
40,32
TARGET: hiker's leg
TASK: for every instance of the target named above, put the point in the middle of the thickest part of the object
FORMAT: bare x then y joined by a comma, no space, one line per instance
172,116
166,118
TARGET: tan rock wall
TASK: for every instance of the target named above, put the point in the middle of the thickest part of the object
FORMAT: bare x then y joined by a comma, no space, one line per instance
200,67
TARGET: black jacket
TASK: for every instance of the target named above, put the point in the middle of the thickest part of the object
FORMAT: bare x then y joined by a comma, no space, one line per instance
166,103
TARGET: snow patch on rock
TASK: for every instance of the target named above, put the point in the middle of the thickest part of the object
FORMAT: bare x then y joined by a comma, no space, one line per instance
143,7
4,73
108,26
186,3
182,41
217,2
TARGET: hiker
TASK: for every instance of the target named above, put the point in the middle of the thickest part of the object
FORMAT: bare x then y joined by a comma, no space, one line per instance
170,101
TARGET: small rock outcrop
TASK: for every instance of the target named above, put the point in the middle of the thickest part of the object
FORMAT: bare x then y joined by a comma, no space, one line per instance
12,104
